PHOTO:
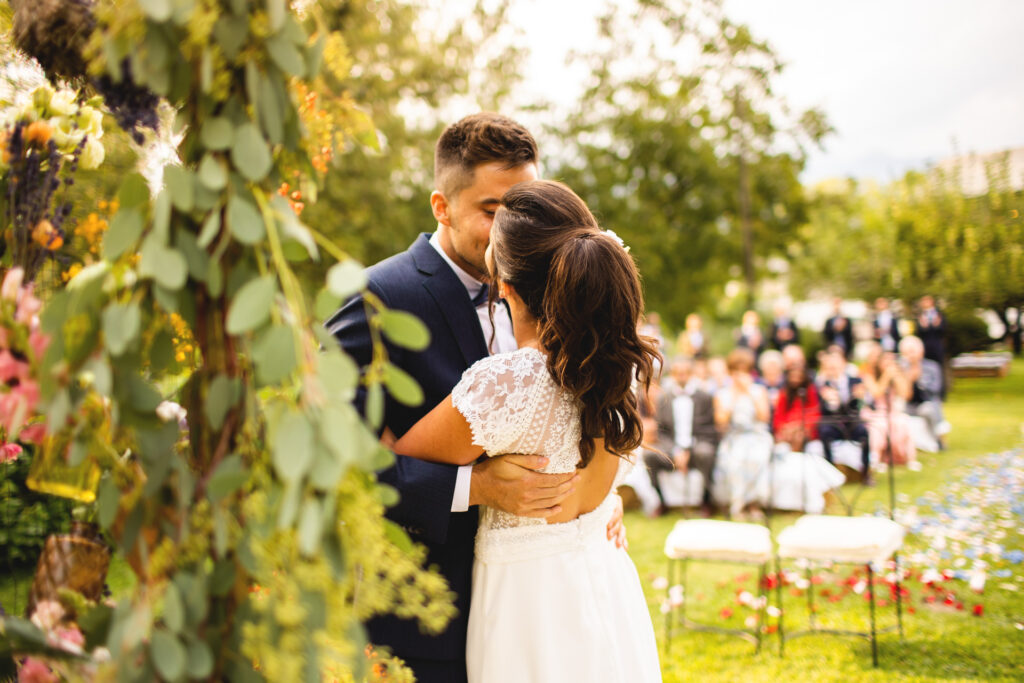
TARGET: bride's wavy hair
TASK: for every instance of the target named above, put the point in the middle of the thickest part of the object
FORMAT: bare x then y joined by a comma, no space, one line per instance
584,290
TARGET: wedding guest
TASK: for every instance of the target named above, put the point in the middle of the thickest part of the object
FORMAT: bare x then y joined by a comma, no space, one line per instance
771,376
784,329
841,399
925,378
884,410
839,329
651,327
931,330
885,325
718,375
741,414
797,411
691,342
750,336
686,430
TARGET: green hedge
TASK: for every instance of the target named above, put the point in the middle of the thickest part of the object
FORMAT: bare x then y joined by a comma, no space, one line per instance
26,517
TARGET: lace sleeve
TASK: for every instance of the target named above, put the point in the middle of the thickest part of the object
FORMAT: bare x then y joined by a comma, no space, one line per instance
494,395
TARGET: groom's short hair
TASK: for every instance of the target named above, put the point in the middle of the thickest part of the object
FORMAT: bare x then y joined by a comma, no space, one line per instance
479,139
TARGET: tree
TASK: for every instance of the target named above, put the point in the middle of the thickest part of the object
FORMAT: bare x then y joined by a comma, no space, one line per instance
695,163
919,235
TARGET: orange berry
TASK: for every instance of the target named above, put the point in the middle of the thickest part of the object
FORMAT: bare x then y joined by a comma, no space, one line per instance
45,235
38,133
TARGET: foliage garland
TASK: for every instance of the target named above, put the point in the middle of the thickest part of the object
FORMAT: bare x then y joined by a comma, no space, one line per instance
257,531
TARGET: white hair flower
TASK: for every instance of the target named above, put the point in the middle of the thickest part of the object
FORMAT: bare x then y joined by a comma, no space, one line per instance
611,233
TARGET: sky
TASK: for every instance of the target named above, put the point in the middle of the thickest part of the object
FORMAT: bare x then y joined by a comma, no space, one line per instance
904,82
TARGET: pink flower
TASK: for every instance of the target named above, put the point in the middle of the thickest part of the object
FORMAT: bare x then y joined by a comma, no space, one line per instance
34,671
11,367
17,405
12,284
28,307
38,342
9,452
70,639
33,433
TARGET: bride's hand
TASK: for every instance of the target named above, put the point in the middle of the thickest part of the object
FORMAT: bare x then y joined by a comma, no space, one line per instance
616,529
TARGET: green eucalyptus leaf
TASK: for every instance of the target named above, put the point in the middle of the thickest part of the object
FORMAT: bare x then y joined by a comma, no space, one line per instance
174,609
327,469
271,110
157,10
222,578
287,57
326,304
402,386
405,329
211,226
217,134
134,192
293,446
168,654
121,324
315,57
276,14
162,217
166,265
197,259
250,153
244,220
108,499
338,375
273,354
289,508
222,395
231,32
123,232
212,173
342,431
230,476
199,663
250,307
60,408
346,278
292,226
375,405
310,527
181,184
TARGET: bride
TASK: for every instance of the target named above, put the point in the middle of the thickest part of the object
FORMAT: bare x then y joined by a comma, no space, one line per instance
554,600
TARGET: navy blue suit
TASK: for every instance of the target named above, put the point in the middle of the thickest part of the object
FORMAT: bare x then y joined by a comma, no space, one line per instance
419,281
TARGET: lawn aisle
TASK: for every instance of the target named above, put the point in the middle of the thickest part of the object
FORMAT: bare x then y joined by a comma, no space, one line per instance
942,642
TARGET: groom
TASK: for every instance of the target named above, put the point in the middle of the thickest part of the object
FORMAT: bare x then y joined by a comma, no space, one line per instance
439,278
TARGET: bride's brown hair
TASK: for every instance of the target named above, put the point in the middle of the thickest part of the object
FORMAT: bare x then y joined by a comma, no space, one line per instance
584,290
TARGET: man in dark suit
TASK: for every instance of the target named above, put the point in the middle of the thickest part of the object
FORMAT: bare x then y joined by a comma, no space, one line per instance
784,329
842,397
886,325
931,329
839,329
440,278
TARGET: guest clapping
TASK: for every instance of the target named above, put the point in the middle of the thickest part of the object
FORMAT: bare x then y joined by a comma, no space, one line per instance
925,377
884,412
841,400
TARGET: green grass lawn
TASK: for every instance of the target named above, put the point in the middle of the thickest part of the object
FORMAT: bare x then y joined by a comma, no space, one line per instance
941,642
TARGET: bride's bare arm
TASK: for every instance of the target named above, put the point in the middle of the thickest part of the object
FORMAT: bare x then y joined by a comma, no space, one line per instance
442,435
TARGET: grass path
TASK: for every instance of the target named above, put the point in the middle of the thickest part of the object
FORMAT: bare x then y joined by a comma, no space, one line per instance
942,643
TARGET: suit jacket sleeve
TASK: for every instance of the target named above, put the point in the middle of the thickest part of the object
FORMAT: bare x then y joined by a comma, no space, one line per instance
425,489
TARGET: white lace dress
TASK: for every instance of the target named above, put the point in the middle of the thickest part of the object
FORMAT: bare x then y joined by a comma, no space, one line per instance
551,602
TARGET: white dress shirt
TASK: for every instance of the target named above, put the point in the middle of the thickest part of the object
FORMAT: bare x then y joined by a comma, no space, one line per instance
504,341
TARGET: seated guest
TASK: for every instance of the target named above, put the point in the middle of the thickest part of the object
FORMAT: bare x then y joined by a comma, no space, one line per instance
784,330
771,376
886,325
718,375
925,378
796,411
741,414
750,336
838,329
841,397
691,342
884,407
793,357
686,430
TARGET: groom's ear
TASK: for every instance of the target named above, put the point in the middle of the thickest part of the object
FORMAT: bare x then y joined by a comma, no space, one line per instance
439,205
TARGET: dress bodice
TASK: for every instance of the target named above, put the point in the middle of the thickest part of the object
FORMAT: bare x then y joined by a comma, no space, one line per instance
513,405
